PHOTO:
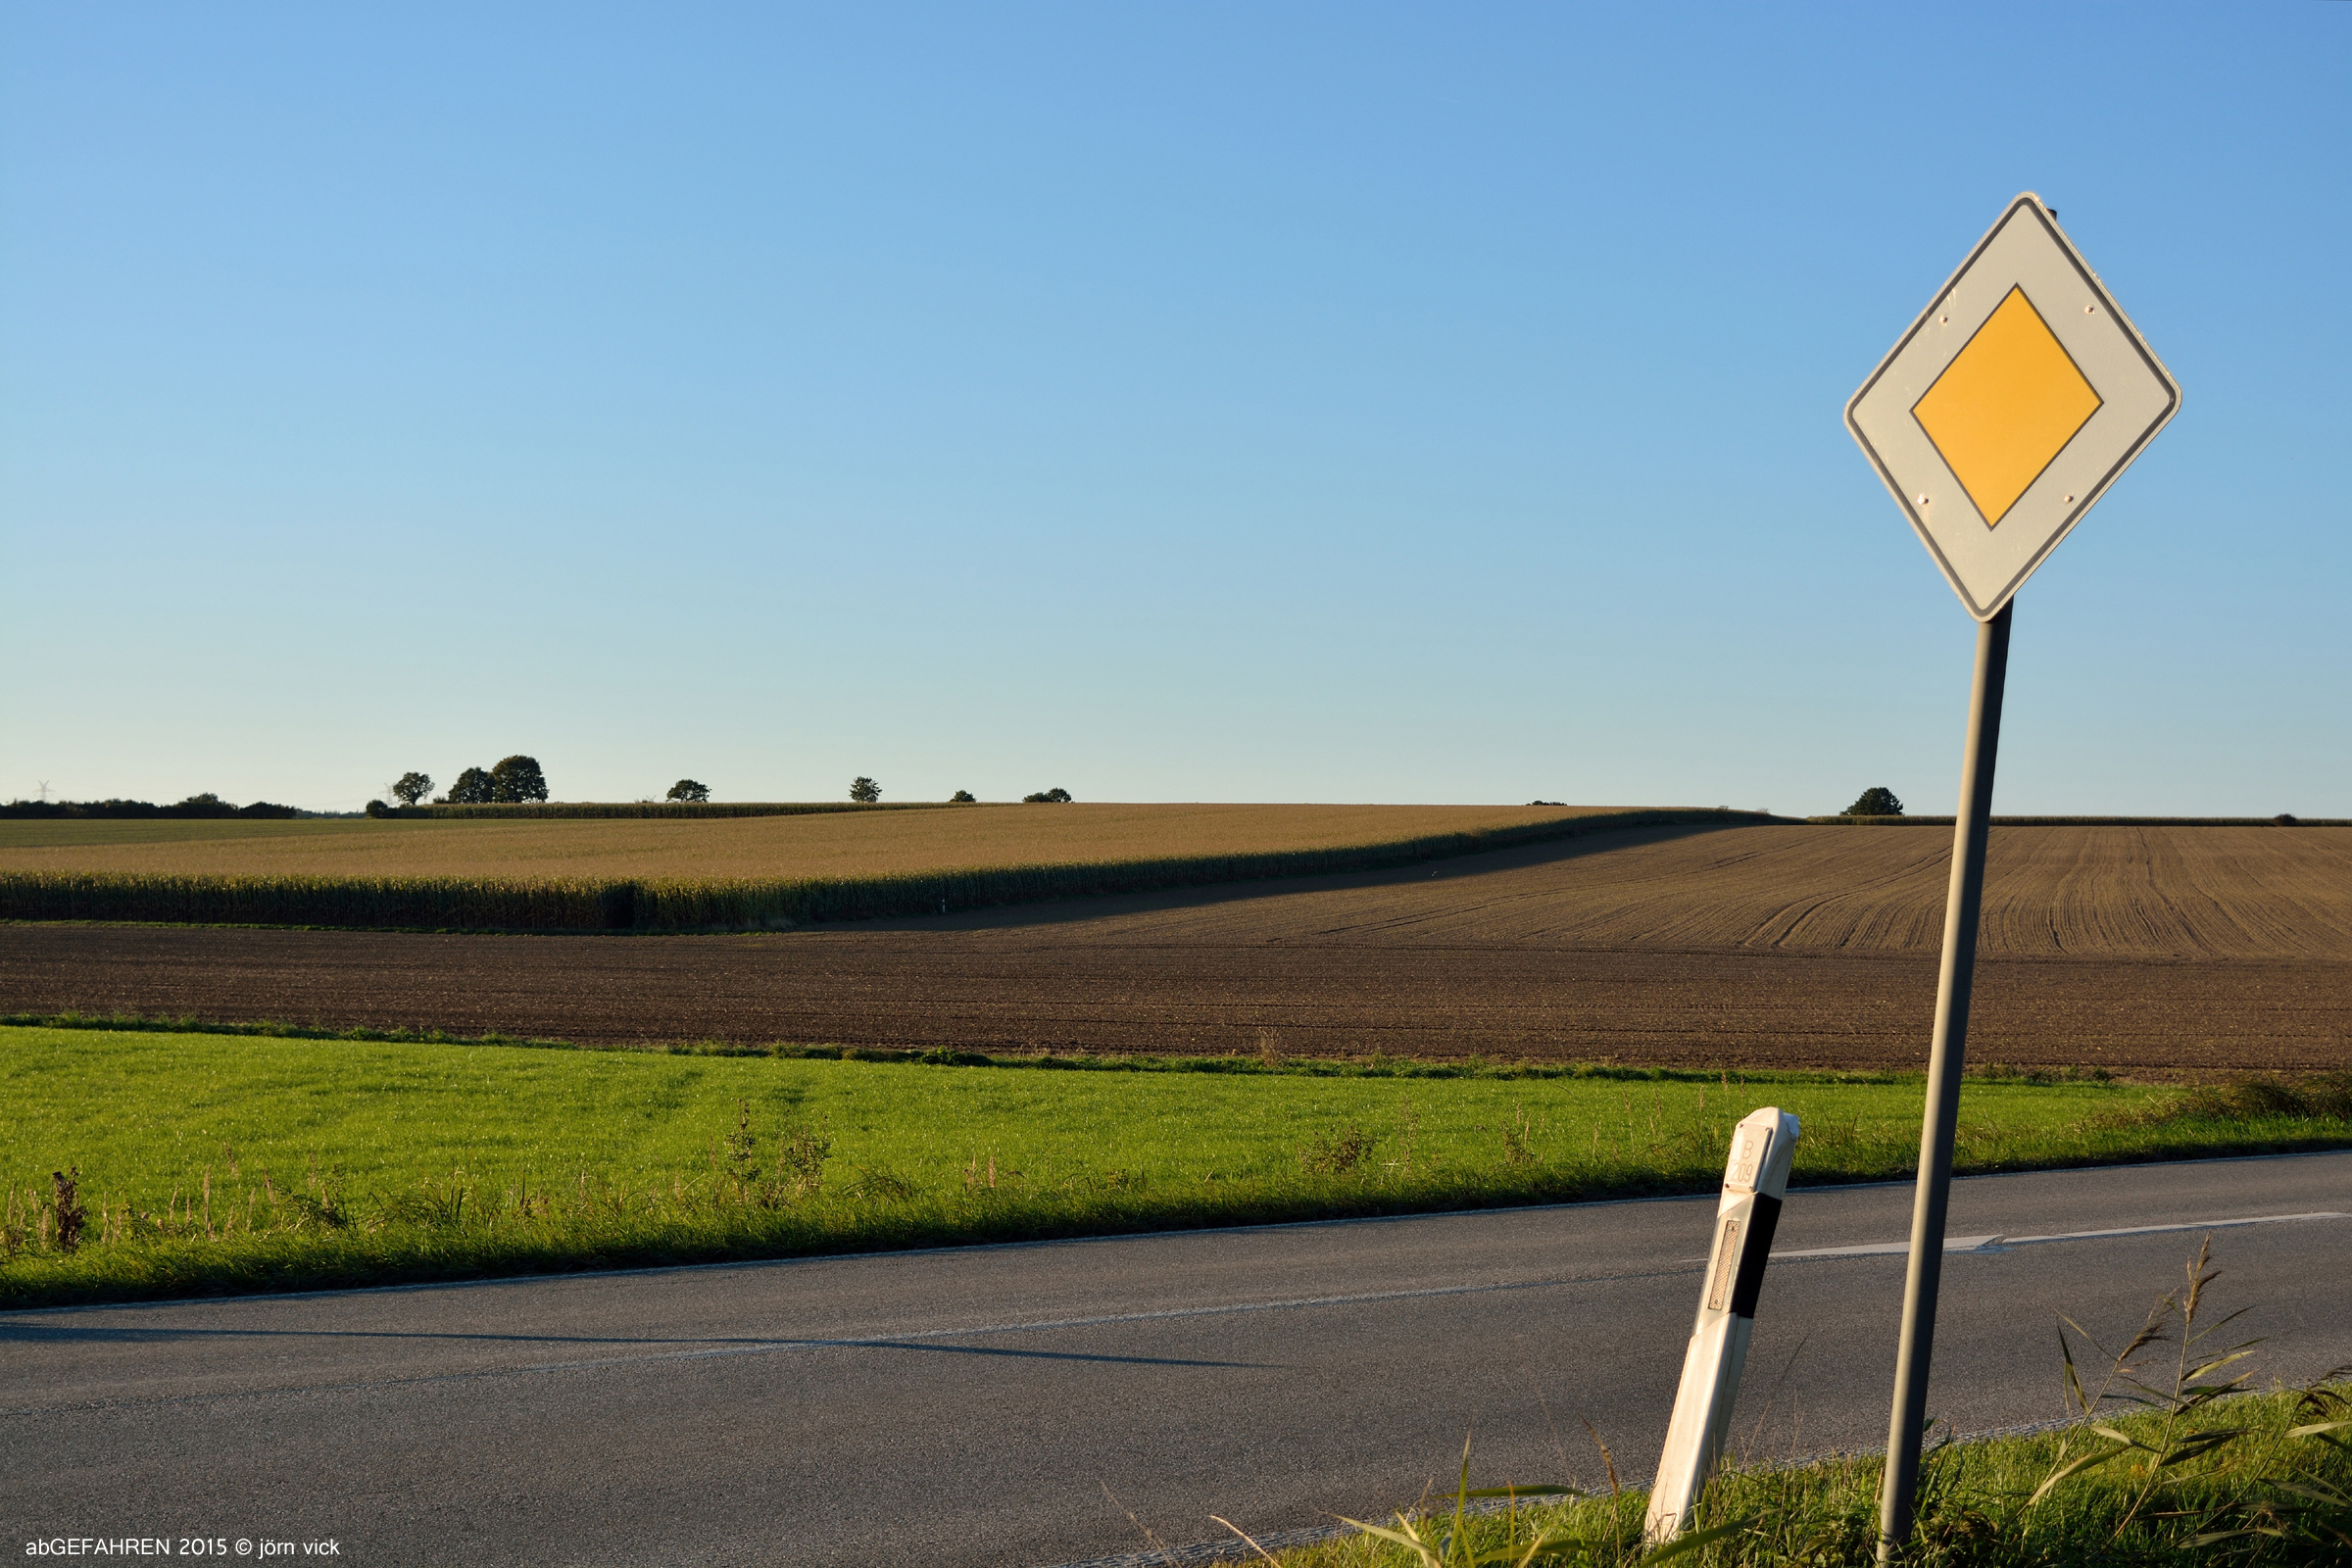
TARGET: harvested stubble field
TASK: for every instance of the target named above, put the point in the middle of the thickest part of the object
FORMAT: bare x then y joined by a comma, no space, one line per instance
2156,952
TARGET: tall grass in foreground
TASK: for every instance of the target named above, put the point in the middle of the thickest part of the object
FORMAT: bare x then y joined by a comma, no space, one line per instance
2288,1487
2202,1471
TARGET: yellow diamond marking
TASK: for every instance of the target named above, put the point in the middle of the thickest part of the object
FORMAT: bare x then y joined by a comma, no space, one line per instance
2006,406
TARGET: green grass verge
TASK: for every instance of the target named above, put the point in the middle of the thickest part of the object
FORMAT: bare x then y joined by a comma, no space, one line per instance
223,1163
716,904
2273,1491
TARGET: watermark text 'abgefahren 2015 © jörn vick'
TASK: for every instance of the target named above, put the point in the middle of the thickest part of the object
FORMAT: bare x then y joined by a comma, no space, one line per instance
177,1547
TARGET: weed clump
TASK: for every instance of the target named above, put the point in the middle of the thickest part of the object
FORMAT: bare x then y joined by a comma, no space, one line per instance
2319,1098
1518,1137
69,1210
1337,1153
798,1169
802,1151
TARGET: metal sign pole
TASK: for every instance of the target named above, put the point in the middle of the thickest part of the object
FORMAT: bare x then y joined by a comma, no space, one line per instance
1962,908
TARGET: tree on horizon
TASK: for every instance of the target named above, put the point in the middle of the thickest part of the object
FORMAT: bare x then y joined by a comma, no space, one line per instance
472,788
1875,801
516,779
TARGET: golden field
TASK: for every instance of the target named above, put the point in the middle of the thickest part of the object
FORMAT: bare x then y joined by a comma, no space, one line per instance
846,844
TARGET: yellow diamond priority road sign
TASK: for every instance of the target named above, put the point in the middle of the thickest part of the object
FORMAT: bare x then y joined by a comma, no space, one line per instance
2010,406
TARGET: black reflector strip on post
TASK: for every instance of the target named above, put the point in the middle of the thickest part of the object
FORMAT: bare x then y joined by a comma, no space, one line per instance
1727,1266
1752,1256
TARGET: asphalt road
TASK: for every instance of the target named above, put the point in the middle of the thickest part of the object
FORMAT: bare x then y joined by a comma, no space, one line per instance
1016,1405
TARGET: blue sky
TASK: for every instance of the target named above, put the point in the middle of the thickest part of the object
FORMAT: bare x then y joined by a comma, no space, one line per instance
1242,402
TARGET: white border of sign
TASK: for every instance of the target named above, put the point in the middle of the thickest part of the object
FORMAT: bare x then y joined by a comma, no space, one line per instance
2024,249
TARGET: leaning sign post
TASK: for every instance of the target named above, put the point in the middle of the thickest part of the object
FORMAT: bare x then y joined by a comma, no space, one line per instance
1997,421
1756,1177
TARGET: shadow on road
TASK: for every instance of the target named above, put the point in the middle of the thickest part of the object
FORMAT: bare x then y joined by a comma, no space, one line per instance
43,1333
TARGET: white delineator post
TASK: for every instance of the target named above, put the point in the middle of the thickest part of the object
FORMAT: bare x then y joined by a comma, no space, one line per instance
1754,1179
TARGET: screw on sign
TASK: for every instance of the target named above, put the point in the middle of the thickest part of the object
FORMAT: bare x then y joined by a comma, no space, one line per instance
1754,1179
1996,421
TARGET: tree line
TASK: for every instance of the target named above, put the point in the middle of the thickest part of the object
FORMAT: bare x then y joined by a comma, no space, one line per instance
514,780
866,792
206,805
519,779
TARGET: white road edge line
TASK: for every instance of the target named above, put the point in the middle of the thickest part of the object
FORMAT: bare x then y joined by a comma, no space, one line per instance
1951,1244
1995,1244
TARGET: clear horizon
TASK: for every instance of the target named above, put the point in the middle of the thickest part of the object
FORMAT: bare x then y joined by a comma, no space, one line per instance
1372,403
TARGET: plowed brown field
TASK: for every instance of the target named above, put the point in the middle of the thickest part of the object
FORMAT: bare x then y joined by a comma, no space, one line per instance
2151,951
